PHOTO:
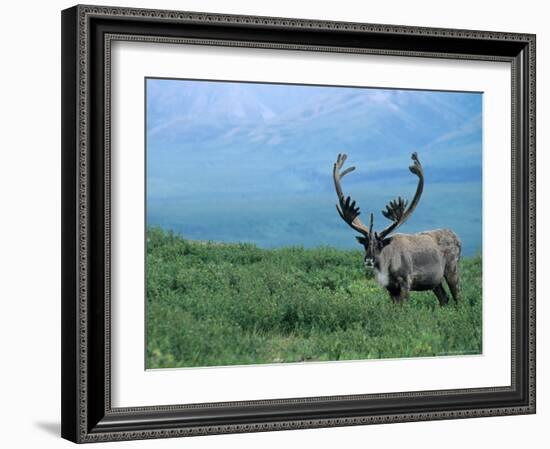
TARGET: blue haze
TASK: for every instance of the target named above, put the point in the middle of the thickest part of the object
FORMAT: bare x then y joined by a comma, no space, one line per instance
245,162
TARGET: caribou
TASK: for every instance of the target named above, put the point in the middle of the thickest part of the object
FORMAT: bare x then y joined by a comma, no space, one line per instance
403,262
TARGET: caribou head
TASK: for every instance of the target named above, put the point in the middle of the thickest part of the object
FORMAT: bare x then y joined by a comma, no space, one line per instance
396,210
402,262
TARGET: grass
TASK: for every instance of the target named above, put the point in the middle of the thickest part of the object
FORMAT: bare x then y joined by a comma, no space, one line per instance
212,304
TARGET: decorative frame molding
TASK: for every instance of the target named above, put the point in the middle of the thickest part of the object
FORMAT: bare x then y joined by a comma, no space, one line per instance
87,33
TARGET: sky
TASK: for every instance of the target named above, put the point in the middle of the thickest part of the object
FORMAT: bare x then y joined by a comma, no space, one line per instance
252,162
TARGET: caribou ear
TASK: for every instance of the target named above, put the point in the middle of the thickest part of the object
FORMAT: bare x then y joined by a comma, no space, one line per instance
362,240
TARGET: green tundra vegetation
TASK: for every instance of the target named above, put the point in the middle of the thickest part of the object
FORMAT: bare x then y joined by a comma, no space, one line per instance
212,304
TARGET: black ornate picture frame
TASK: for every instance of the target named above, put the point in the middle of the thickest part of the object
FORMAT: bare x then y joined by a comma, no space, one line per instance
87,34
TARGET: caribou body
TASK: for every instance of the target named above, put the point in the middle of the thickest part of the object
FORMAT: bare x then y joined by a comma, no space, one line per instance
403,262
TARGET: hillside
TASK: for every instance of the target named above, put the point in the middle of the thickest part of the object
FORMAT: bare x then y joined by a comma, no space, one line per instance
211,304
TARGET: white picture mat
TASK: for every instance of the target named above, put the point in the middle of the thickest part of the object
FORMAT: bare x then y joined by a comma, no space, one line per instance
132,385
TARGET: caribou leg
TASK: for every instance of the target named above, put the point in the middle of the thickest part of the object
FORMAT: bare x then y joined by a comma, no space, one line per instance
404,289
403,296
399,296
395,294
441,295
400,293
452,278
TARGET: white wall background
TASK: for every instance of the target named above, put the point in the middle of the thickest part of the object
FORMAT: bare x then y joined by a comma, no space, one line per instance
30,224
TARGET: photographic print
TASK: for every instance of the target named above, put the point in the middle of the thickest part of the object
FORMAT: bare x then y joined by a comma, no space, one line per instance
294,223
316,200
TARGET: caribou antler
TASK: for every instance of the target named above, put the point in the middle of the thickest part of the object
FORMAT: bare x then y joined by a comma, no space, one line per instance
395,209
347,209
